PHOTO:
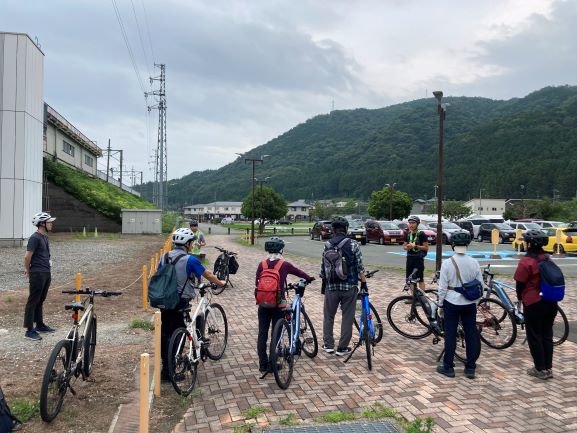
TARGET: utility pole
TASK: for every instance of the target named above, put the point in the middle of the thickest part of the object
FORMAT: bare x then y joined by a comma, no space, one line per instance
254,161
441,111
109,153
160,166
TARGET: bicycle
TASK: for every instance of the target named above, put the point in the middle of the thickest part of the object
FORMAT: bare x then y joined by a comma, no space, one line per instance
497,288
188,345
225,265
291,335
370,328
72,357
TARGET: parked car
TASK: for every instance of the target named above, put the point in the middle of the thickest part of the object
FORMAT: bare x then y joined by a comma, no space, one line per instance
519,244
506,232
384,232
431,234
572,224
321,230
449,229
226,220
548,224
357,231
476,224
467,225
568,240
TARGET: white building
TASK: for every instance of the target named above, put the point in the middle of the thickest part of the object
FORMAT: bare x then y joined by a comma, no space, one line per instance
216,209
487,206
298,211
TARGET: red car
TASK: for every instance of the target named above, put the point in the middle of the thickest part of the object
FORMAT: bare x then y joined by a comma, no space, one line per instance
321,230
431,234
384,232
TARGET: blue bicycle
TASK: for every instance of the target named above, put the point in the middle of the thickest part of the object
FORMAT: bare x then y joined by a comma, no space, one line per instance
291,335
370,328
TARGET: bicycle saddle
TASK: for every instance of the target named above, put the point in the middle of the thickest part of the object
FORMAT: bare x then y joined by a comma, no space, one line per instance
74,306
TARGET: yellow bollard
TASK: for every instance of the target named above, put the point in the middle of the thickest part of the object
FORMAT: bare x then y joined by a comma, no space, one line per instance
151,266
144,375
518,240
558,247
156,261
157,326
78,287
144,288
495,240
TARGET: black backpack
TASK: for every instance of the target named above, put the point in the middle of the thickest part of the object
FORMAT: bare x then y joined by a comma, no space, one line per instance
163,290
8,422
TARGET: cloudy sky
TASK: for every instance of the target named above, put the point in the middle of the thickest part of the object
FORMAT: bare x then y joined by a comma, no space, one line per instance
240,73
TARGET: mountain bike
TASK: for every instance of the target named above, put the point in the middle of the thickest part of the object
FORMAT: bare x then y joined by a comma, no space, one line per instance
291,335
225,265
369,325
497,288
189,345
72,357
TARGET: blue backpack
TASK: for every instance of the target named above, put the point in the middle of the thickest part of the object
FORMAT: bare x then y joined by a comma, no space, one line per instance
552,285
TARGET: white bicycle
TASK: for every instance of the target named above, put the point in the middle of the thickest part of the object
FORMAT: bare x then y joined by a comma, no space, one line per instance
190,345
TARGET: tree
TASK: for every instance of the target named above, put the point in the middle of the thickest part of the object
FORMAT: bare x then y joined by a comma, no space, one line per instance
389,203
323,211
268,205
452,210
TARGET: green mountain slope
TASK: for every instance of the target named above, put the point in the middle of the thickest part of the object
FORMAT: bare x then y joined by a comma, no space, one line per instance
491,145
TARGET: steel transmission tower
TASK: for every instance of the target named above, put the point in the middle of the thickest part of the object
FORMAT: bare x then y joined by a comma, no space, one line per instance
159,197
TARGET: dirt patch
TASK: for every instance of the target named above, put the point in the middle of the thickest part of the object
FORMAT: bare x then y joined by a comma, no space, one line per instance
109,263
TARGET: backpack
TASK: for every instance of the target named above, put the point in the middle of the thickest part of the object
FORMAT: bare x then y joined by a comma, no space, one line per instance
8,422
552,284
334,264
268,292
163,289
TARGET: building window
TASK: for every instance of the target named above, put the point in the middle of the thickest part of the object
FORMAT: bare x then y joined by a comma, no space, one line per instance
68,148
88,160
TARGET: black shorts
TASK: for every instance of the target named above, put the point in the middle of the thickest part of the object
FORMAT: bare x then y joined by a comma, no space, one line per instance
415,261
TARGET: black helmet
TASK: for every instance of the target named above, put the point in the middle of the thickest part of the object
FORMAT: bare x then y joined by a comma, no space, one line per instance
460,239
274,245
536,237
339,222
414,218
193,223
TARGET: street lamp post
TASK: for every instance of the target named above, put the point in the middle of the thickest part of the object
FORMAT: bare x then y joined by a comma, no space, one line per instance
523,190
254,161
441,111
260,182
392,187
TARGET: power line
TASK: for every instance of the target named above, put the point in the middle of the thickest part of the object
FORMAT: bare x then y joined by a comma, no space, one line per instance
148,31
140,36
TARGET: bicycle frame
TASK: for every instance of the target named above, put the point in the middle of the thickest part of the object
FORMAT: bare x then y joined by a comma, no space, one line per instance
366,311
194,349
295,322
499,288
77,338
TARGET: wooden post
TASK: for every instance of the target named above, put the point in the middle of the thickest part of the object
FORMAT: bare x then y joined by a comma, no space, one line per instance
78,286
151,266
144,288
143,423
157,326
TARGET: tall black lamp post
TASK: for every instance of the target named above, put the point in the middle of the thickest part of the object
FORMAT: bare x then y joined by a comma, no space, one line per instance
392,187
441,111
254,161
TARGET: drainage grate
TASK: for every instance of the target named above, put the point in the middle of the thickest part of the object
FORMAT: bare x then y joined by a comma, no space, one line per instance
361,427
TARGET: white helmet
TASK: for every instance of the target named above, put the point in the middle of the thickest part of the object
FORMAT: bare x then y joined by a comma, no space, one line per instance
182,236
42,217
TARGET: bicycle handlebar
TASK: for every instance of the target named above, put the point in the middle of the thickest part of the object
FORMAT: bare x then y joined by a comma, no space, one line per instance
222,250
302,283
369,274
92,292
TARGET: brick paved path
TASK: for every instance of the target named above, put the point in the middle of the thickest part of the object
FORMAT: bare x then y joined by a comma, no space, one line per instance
502,398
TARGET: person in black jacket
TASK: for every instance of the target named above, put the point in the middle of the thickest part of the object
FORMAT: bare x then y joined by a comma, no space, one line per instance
416,245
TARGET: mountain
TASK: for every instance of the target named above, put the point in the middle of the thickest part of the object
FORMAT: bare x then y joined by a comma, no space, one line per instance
496,146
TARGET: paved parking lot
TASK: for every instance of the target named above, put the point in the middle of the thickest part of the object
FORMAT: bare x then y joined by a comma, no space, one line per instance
502,398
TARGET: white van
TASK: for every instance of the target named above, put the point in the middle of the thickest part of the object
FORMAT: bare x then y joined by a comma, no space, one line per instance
227,220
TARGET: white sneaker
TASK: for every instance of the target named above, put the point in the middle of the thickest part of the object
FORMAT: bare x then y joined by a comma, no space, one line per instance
328,349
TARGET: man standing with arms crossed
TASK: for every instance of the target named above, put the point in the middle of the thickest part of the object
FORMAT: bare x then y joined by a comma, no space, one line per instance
416,245
37,267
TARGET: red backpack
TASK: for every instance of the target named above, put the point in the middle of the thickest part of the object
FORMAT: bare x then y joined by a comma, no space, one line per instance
268,292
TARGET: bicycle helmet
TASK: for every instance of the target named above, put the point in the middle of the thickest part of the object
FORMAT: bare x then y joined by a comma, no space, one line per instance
182,236
339,222
414,218
460,239
42,217
274,245
193,223
536,237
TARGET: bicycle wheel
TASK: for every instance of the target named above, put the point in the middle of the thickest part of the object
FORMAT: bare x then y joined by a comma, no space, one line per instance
281,358
560,328
308,336
497,328
89,347
377,324
55,381
403,316
216,331
181,368
366,340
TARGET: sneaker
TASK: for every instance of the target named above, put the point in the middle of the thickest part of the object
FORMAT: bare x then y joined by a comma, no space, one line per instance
341,351
45,328
549,374
32,335
539,374
469,373
449,372
328,349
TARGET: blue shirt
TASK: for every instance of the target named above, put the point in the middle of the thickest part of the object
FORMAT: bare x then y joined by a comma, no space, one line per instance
186,268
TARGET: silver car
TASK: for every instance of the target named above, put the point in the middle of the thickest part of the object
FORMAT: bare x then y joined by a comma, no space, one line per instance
449,229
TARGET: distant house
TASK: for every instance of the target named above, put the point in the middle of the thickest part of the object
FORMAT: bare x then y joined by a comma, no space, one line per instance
216,209
487,206
298,211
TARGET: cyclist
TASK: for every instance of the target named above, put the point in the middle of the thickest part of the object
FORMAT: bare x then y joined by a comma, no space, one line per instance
416,245
454,307
199,241
539,314
267,317
182,240
37,267
341,292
